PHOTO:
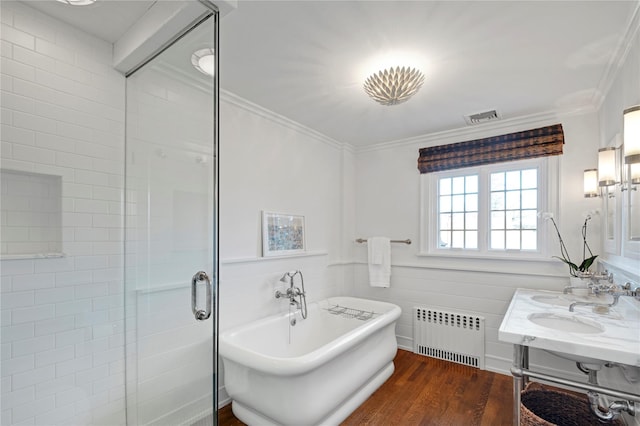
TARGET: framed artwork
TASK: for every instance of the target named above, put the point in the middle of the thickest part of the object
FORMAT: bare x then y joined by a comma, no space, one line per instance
282,234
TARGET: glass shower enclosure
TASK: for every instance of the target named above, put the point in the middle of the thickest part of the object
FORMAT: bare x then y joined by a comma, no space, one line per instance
171,216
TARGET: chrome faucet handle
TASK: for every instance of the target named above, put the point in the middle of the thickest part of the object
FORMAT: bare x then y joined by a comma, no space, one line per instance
607,288
631,289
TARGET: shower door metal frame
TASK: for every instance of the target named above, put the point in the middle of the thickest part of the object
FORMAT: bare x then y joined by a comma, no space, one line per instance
213,13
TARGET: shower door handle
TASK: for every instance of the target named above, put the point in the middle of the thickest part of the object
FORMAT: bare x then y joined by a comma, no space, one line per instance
200,314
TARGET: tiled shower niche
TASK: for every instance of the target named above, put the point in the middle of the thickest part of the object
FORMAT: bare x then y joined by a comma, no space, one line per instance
30,215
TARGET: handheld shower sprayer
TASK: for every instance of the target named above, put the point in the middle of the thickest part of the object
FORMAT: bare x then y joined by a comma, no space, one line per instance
289,275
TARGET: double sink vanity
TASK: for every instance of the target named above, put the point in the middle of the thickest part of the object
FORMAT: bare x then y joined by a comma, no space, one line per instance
582,328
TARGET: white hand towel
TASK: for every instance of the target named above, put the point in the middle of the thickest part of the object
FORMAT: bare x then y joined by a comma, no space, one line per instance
379,261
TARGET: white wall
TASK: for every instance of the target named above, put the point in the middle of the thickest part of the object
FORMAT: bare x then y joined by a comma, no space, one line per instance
63,319
388,203
269,163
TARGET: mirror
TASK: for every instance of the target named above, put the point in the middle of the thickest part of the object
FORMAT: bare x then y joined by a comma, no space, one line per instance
634,212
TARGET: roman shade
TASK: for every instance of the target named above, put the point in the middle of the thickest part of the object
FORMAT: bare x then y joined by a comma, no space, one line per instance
541,142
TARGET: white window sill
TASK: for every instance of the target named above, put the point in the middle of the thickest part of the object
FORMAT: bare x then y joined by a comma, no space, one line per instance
518,265
466,254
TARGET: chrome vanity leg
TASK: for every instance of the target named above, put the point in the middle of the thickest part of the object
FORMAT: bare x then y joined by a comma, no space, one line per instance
525,365
520,362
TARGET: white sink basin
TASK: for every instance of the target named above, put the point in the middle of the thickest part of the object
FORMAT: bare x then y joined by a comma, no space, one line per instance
541,319
570,323
550,300
560,299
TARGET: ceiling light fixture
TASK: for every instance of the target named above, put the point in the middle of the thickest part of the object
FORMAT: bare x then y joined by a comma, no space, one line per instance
204,61
77,2
393,86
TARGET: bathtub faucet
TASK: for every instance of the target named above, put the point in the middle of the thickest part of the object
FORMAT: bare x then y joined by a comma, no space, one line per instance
296,296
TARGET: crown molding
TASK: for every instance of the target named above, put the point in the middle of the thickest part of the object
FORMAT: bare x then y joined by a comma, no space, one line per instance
256,109
175,72
475,131
445,136
617,59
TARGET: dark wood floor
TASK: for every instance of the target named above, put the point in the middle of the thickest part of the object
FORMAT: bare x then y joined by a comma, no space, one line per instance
427,391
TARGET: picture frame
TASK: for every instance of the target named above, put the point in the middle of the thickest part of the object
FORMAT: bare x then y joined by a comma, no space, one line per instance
282,234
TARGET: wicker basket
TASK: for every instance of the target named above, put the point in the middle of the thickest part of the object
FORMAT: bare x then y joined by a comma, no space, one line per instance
546,406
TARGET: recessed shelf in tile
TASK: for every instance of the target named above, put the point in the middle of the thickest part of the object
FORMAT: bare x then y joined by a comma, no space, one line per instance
31,215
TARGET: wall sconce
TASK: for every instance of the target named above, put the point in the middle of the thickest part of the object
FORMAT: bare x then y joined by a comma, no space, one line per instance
607,170
632,135
634,174
612,169
591,189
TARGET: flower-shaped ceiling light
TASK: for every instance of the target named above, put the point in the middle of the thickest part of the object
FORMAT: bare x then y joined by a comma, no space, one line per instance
393,86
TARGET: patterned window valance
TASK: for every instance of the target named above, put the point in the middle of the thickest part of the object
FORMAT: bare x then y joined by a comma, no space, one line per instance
533,143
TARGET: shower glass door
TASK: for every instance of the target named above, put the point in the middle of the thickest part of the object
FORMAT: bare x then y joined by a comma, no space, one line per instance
171,234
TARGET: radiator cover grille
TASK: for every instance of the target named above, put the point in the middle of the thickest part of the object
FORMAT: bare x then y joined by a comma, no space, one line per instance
449,336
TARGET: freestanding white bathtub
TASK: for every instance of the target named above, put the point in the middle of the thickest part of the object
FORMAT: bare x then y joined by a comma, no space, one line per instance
316,372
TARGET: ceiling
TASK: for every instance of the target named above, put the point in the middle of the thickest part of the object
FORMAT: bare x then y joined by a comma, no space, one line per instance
105,19
307,60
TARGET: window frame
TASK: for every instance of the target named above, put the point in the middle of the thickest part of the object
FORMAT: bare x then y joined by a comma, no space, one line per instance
548,189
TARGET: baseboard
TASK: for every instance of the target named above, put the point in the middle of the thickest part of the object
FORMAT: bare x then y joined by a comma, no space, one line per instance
223,397
405,343
498,365
501,365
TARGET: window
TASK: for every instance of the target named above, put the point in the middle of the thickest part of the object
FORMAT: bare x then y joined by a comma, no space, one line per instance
458,212
489,210
513,210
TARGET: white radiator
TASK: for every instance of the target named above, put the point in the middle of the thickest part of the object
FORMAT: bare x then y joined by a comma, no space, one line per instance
450,336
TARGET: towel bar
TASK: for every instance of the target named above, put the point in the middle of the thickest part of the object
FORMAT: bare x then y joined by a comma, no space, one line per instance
364,240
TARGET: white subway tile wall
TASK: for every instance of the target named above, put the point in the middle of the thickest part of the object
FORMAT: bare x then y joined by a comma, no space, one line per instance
62,319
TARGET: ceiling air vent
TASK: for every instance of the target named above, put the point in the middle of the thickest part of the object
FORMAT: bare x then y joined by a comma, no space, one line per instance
482,117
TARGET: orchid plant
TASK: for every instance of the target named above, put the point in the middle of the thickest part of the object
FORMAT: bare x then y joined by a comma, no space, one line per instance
574,270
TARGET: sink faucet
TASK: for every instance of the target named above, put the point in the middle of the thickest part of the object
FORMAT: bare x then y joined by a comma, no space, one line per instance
616,296
612,290
594,279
